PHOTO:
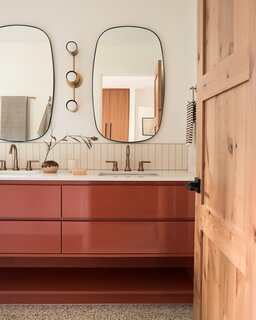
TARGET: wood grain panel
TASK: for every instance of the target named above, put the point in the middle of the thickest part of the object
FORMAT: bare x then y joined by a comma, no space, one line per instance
227,237
226,28
30,237
125,202
224,154
219,283
128,237
226,75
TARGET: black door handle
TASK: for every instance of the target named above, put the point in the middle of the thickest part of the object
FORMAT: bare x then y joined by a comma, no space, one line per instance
195,185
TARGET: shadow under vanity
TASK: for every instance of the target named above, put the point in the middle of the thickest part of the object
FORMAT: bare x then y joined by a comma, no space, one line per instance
96,242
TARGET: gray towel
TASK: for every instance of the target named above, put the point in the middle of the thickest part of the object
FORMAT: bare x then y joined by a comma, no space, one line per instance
45,121
14,118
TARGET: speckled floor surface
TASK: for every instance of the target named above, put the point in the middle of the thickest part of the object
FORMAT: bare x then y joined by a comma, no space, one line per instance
96,312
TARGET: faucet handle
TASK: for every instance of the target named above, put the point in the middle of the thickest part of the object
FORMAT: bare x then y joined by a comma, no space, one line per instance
3,165
141,168
29,166
115,165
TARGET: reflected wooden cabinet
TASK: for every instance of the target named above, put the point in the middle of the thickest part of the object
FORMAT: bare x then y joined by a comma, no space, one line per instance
115,114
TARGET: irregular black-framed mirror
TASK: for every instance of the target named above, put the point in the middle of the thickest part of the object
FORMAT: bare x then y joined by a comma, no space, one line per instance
128,83
26,82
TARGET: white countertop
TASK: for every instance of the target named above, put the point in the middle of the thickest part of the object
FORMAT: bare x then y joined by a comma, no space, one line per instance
97,175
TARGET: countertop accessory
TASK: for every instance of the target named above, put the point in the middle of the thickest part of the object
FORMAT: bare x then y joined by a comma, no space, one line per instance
72,164
50,166
78,172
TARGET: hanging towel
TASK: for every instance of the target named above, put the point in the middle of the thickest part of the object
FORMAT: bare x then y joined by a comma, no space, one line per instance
45,121
14,118
191,119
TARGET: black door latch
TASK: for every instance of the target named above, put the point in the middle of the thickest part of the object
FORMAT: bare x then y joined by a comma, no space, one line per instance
194,186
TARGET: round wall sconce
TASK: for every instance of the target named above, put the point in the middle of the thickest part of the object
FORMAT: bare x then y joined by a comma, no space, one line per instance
73,78
72,105
72,48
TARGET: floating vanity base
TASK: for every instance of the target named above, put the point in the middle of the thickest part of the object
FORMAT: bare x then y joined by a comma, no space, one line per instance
96,242
95,285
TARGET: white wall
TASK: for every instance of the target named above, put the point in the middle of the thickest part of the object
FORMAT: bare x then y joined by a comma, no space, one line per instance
83,21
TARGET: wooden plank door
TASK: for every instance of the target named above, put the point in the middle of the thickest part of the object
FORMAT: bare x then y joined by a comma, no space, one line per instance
115,114
225,245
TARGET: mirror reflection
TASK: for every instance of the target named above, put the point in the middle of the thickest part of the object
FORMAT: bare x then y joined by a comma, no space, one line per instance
26,83
128,84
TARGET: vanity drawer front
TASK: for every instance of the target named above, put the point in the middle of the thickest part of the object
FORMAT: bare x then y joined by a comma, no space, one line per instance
30,237
128,237
128,202
27,201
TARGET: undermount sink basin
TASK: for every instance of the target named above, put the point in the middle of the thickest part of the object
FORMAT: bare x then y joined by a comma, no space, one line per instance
128,174
20,173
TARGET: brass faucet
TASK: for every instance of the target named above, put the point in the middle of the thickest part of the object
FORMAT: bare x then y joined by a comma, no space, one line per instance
127,162
13,149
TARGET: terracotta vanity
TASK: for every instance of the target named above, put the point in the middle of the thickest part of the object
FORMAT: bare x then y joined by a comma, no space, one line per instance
71,240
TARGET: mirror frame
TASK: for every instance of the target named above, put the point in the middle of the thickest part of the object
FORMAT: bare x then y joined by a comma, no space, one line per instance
163,76
53,79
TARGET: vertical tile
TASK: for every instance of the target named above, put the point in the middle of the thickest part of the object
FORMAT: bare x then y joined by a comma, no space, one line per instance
35,155
42,152
185,157
172,157
179,152
123,155
118,155
111,154
90,163
70,150
77,153
8,156
2,151
84,157
22,154
158,157
145,155
137,156
104,156
97,156
63,156
152,156
36,151
56,154
29,151
165,157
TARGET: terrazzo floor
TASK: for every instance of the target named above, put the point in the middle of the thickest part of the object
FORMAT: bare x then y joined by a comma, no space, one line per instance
96,312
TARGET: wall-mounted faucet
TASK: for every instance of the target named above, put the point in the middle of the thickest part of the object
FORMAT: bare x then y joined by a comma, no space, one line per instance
127,162
13,150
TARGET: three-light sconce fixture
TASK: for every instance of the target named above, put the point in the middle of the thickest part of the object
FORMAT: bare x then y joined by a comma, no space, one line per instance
74,79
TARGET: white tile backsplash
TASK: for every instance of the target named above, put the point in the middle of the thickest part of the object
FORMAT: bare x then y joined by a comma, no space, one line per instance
162,156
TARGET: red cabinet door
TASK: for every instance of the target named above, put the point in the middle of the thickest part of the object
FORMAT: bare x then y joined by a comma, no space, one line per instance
127,202
25,201
128,237
30,237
